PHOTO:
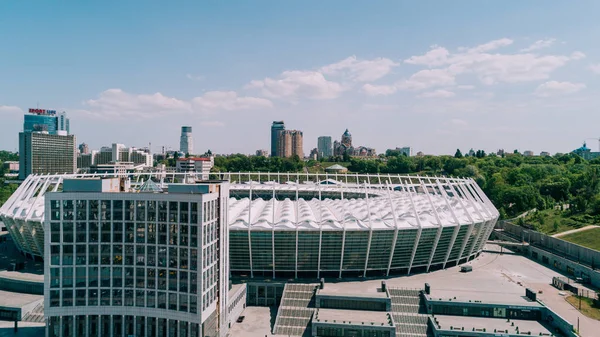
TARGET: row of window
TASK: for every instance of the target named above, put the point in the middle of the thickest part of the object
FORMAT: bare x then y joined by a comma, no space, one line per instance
132,210
305,249
130,232
129,298
118,325
130,255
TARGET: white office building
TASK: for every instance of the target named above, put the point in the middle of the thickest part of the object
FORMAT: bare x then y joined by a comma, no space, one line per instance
136,262
198,167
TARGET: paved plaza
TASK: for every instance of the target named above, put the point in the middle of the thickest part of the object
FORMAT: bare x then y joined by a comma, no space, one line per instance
495,278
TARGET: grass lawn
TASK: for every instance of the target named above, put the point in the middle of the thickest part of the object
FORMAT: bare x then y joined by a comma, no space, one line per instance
586,306
589,238
544,221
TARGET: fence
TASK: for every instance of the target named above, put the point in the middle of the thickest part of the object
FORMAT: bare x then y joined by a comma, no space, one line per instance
562,248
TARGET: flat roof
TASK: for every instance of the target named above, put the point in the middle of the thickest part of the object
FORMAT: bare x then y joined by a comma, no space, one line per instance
354,317
486,297
17,300
535,327
334,289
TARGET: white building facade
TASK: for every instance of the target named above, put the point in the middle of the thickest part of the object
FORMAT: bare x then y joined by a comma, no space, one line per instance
200,166
136,264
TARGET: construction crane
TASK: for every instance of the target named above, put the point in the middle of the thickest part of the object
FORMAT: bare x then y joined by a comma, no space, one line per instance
598,139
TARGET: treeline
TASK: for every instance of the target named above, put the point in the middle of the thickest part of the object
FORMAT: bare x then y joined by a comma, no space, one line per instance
6,189
515,183
243,163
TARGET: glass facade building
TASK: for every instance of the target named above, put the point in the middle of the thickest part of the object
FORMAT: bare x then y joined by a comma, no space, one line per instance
136,264
276,128
40,123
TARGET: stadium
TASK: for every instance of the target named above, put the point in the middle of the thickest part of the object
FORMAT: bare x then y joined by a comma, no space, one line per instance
301,225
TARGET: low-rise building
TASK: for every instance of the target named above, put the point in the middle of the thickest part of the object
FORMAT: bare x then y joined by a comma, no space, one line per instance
201,166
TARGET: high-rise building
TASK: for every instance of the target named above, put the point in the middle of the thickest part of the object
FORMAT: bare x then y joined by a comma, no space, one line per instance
276,128
40,120
43,153
84,148
325,147
121,263
62,123
186,142
290,144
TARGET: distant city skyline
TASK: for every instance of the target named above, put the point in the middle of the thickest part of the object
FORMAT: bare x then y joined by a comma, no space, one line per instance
434,76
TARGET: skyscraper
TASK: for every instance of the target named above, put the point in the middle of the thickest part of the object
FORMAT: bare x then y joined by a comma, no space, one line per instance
290,143
62,123
40,120
276,128
186,143
167,275
324,147
43,120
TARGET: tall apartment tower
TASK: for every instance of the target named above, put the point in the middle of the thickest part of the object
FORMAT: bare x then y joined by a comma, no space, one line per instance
276,128
123,262
290,143
324,147
186,142
43,153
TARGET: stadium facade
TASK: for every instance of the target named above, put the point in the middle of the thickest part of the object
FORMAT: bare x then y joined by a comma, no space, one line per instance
285,225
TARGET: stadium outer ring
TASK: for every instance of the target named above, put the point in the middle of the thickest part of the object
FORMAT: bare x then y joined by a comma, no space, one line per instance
383,224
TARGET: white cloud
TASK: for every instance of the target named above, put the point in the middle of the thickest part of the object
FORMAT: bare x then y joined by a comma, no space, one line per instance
494,68
437,56
558,88
437,94
296,84
228,101
195,77
10,109
595,68
379,90
114,103
466,87
360,70
539,44
427,78
494,44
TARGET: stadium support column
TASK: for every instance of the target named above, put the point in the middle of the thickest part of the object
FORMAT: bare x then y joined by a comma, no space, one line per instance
370,229
296,263
320,230
395,230
31,189
472,222
250,231
419,230
456,221
343,232
273,233
489,205
41,192
437,219
483,224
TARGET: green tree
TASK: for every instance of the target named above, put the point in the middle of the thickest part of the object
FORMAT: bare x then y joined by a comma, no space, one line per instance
458,154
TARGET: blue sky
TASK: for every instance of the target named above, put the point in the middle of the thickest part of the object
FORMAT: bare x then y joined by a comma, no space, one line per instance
434,75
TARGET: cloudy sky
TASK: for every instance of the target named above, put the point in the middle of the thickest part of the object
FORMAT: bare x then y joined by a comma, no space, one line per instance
433,75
